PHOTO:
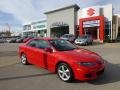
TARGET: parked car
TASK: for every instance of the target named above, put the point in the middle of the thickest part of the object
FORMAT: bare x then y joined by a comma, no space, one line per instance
27,39
8,40
20,40
68,37
12,40
2,41
62,57
84,40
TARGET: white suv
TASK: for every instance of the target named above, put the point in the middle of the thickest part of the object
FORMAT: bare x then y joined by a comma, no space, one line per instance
68,37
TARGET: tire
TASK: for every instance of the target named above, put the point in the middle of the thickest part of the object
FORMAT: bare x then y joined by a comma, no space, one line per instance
24,59
86,43
65,72
91,43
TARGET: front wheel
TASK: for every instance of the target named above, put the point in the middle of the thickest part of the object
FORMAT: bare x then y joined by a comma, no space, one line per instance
64,72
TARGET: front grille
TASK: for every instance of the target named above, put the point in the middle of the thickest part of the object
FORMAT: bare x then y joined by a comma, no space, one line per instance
88,75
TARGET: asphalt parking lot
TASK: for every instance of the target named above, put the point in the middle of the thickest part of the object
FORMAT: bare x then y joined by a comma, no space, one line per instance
15,76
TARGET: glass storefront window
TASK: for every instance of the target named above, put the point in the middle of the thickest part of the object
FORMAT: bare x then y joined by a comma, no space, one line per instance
108,29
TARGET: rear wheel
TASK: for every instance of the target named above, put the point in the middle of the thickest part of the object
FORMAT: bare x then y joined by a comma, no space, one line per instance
64,72
24,59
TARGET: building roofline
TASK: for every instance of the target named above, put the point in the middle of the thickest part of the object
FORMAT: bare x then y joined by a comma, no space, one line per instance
40,21
63,8
35,22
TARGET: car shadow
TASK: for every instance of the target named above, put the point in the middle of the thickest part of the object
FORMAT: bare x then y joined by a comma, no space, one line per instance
111,75
27,76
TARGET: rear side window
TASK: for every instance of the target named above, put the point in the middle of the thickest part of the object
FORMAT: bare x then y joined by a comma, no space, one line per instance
32,43
42,44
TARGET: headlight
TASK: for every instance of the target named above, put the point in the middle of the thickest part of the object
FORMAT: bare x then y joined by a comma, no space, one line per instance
86,63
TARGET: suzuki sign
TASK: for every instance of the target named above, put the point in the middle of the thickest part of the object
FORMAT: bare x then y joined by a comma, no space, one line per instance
90,12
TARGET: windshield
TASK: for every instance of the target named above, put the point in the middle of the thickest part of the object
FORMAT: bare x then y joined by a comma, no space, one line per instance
83,37
62,45
65,36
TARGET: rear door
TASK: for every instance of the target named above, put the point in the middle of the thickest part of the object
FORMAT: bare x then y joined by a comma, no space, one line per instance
30,51
41,55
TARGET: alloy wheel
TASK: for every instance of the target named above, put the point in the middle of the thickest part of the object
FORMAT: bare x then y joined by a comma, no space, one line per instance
23,59
64,72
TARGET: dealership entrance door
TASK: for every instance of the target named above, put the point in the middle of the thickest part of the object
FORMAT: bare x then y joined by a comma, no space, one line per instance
93,31
93,26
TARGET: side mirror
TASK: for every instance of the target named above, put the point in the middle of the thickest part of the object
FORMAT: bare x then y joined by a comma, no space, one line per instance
49,50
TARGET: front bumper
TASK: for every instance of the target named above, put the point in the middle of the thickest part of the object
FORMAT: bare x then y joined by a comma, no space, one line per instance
80,43
88,73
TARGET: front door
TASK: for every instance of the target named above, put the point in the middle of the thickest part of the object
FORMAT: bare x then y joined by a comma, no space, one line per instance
93,31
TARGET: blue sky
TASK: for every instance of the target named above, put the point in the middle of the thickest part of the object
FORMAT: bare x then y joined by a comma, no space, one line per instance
18,12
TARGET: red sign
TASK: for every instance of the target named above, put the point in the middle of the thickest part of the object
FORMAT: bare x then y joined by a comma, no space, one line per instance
90,11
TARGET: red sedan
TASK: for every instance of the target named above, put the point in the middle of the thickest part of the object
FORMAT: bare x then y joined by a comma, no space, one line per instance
62,57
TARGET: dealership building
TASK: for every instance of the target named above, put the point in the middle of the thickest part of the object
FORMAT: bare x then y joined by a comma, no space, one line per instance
38,28
98,21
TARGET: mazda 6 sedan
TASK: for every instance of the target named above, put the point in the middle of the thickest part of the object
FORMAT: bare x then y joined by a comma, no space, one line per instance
62,57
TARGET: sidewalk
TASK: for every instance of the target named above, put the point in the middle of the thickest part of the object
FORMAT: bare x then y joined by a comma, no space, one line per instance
103,45
112,45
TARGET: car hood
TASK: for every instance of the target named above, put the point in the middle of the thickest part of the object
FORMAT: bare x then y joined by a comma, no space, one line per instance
79,55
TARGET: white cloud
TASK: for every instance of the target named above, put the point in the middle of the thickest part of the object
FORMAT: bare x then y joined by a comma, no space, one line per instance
27,11
31,10
23,10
